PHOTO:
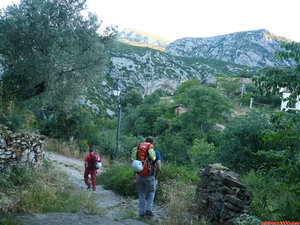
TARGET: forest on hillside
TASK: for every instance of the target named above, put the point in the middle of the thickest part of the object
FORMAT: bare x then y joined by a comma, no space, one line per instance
51,55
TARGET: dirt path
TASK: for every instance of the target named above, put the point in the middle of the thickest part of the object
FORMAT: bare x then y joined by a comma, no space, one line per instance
116,209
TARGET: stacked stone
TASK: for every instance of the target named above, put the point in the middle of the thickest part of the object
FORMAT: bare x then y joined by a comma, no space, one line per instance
20,149
220,195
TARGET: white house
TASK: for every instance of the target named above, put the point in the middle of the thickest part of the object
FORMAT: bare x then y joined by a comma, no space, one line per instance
285,93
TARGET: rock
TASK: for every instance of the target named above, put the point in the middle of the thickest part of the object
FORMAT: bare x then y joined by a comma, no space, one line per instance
232,207
227,190
2,143
220,195
234,201
232,183
20,149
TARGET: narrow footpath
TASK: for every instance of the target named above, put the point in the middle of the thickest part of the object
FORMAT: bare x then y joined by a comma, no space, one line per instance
116,210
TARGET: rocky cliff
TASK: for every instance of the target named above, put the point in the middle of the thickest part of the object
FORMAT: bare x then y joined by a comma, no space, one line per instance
147,69
251,48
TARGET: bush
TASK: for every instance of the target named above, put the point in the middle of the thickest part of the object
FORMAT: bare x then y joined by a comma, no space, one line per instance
16,117
241,139
201,153
43,190
171,173
7,220
119,179
108,143
272,198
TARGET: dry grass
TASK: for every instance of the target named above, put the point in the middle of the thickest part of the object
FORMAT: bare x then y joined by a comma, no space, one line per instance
64,148
179,206
70,150
44,190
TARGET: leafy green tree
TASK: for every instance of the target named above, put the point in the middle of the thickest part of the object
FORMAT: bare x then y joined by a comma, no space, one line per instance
173,147
132,99
205,107
242,138
149,118
230,85
48,47
283,141
201,153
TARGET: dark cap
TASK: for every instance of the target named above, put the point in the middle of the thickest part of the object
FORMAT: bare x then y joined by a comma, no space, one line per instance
91,149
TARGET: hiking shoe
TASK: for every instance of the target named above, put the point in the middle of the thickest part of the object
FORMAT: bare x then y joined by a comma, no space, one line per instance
142,216
89,187
149,213
94,189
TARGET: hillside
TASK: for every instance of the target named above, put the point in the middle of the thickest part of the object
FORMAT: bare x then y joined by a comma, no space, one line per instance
251,48
149,69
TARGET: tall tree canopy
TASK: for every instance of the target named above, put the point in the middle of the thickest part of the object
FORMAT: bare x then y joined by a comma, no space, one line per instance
49,47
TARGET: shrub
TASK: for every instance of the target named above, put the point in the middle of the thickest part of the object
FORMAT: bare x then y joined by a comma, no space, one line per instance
7,220
16,117
241,139
201,153
43,190
171,173
119,178
273,199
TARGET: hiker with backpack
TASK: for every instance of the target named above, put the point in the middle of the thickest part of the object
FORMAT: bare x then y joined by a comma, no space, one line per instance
91,164
146,165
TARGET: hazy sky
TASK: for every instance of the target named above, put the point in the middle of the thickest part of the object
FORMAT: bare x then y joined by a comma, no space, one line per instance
173,19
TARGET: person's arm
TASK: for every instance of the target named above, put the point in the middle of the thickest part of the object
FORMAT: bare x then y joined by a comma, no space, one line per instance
158,168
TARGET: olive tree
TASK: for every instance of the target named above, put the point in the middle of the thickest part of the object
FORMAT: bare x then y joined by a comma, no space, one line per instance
48,47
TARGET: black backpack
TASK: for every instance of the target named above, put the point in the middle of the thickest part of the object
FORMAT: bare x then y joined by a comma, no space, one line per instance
93,161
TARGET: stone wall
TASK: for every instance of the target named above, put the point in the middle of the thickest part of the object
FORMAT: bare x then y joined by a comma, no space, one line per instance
220,195
20,149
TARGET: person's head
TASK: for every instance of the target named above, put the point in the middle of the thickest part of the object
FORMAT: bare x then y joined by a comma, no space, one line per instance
91,150
150,139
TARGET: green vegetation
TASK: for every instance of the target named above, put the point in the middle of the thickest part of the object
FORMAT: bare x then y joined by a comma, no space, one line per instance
119,178
42,191
48,61
50,46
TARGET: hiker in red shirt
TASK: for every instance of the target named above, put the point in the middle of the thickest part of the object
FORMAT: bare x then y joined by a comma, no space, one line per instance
90,169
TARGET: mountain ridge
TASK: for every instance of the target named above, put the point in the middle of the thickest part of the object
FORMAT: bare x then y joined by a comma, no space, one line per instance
254,48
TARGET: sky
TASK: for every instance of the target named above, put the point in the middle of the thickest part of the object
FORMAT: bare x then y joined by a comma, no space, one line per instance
174,19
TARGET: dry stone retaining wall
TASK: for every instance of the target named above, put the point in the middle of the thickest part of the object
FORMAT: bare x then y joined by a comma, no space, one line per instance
20,149
220,195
